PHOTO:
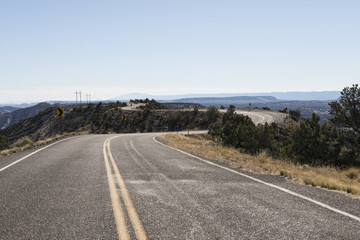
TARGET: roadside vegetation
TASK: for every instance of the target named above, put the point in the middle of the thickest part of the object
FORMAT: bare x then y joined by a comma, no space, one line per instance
325,155
26,143
22,142
305,141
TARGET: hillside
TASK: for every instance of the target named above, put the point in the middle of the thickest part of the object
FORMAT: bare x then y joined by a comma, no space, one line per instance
5,109
11,117
106,118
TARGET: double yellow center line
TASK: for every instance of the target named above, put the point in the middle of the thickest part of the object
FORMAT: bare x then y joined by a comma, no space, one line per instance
121,226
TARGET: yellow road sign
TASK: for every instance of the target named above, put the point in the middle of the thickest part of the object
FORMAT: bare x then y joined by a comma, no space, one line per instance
60,112
123,117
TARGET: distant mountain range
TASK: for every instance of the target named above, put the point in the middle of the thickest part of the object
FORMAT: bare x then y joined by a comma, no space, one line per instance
226,101
306,102
301,96
9,116
7,109
298,96
17,106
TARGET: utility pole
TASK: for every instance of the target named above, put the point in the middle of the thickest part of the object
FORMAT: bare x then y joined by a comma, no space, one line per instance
76,97
89,98
80,97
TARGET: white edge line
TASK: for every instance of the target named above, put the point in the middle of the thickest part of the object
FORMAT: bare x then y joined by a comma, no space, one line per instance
17,161
266,183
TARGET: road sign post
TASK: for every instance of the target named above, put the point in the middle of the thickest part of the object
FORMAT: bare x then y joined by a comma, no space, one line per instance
60,114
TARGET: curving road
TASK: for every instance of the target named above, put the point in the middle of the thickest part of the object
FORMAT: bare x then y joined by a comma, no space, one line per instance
262,117
130,186
259,117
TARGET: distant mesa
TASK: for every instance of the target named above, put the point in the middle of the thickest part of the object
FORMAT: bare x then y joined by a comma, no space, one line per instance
229,100
301,96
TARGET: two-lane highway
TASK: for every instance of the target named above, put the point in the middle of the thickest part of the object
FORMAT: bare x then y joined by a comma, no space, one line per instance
261,116
58,193
130,186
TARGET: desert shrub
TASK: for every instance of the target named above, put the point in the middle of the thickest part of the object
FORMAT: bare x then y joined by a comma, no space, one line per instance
22,142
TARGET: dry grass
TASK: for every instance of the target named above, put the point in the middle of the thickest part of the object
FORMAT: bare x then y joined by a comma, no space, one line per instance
22,142
15,149
325,177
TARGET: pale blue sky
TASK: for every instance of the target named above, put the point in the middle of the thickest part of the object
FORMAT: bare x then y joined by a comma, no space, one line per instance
50,49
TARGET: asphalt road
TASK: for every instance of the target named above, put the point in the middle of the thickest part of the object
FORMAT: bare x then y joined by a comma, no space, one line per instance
261,117
129,186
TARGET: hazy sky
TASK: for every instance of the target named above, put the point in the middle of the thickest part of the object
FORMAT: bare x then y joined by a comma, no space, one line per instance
50,49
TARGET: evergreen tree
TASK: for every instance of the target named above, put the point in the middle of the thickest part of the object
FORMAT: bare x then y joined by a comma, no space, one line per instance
346,112
346,115
312,143
212,114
